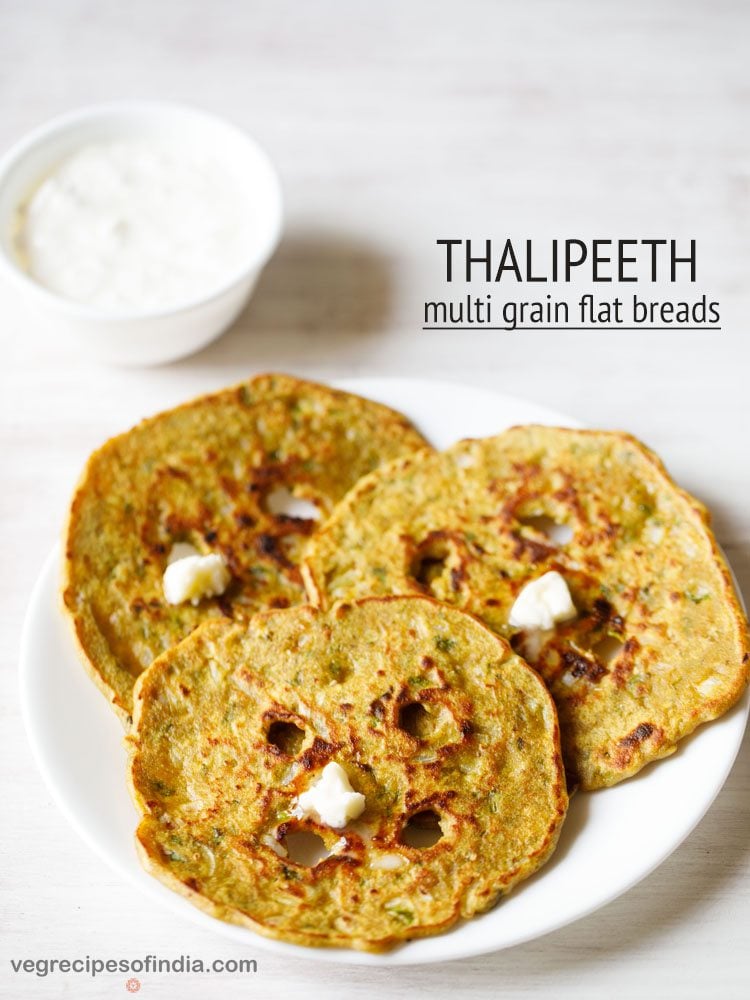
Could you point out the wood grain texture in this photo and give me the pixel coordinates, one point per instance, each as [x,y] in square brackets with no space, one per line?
[394,124]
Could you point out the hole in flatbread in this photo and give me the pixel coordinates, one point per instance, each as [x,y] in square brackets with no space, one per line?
[608,649]
[557,532]
[428,568]
[530,643]
[181,550]
[281,502]
[286,737]
[305,847]
[464,459]
[415,720]
[422,829]
[430,565]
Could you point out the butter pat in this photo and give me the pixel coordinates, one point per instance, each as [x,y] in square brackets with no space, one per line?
[542,603]
[192,578]
[330,800]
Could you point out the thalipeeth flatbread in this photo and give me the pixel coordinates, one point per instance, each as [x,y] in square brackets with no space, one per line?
[659,642]
[213,474]
[450,736]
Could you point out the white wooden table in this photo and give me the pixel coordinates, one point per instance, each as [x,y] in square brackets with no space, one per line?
[393,125]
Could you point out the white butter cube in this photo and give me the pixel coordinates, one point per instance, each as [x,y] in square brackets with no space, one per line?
[194,577]
[331,800]
[542,603]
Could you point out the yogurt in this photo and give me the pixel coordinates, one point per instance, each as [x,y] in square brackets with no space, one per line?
[135,226]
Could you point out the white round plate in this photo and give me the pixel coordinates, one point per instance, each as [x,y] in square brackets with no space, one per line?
[610,840]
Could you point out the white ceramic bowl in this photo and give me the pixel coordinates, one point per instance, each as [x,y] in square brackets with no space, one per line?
[148,337]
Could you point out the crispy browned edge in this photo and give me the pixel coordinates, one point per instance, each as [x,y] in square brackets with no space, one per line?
[230,914]
[698,513]
[87,636]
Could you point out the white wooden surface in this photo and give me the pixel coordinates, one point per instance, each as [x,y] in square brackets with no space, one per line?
[394,124]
